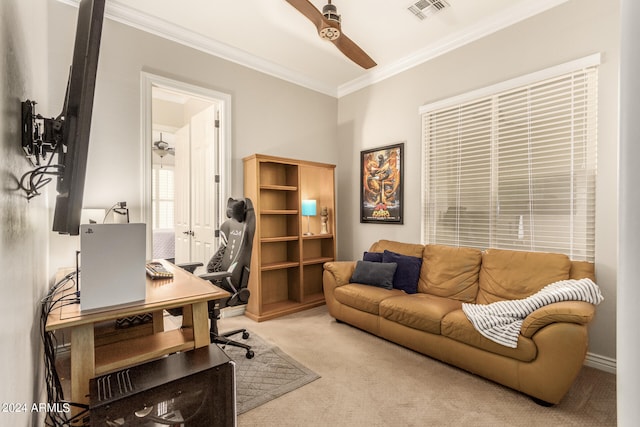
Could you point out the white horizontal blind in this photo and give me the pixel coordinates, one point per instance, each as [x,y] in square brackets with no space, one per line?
[515,169]
[163,197]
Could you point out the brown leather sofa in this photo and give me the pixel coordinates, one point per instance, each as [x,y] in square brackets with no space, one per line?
[553,341]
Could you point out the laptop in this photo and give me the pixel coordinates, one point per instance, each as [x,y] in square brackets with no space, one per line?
[112,265]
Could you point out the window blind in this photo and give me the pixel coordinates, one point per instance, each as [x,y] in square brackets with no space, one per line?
[515,169]
[163,197]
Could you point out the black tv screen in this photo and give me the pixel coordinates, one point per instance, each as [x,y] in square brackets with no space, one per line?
[77,110]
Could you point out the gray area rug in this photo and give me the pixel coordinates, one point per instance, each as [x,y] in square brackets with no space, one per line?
[270,374]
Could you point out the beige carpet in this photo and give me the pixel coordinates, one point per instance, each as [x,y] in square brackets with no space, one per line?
[366,381]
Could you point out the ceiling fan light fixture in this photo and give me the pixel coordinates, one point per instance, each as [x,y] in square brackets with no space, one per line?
[329,33]
[161,148]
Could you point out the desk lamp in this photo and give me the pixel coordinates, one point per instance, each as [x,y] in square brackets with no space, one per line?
[308,210]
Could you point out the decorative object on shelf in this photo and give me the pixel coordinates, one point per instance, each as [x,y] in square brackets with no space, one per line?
[324,219]
[381,174]
[308,210]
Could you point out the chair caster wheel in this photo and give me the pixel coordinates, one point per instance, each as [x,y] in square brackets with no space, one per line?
[245,335]
[250,354]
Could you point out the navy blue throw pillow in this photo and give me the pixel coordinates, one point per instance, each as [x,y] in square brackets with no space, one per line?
[374,273]
[372,256]
[407,273]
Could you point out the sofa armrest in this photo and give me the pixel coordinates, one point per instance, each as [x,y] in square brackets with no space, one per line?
[579,312]
[335,274]
[341,271]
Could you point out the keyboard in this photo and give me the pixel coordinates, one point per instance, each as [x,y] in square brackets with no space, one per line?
[156,270]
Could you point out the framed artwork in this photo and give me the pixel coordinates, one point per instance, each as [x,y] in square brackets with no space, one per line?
[381,181]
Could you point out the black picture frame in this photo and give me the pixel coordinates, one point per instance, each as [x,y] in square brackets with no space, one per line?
[381,185]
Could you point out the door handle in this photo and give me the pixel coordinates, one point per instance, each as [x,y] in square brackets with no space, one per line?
[189,233]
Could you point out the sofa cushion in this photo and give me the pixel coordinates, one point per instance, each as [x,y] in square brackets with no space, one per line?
[507,275]
[456,326]
[408,271]
[420,311]
[450,272]
[372,256]
[411,249]
[374,273]
[364,297]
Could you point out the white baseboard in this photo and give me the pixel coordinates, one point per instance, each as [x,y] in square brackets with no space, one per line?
[602,363]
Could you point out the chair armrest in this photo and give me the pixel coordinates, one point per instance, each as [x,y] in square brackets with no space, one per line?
[190,266]
[579,312]
[215,276]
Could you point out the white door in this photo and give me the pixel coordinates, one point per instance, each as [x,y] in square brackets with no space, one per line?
[203,184]
[196,189]
[182,198]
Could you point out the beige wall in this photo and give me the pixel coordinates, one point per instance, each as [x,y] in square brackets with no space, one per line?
[387,112]
[24,231]
[269,115]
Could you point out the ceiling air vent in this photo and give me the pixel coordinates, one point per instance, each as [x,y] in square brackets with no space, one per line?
[425,8]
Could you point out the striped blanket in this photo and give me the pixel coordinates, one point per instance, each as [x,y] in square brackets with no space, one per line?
[501,321]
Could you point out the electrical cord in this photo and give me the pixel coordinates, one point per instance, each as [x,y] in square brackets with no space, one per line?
[55,394]
[120,208]
[36,178]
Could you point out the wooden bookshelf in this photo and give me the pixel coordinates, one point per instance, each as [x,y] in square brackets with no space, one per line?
[286,264]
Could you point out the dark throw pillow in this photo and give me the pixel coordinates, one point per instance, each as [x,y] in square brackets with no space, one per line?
[374,273]
[407,273]
[372,256]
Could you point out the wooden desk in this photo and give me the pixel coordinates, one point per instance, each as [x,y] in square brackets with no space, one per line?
[87,361]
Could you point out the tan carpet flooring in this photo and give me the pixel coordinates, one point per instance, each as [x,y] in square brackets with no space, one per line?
[367,381]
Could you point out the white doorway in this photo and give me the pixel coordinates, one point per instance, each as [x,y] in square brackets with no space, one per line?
[186,147]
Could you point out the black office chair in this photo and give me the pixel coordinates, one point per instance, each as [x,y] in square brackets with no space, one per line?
[229,267]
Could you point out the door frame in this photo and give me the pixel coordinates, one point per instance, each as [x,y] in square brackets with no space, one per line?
[147,82]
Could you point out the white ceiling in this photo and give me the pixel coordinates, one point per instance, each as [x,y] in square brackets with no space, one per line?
[273,37]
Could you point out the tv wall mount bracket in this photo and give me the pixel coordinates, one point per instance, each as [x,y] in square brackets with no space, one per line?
[41,138]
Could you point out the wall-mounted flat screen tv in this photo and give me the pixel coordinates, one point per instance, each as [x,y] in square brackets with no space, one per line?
[77,110]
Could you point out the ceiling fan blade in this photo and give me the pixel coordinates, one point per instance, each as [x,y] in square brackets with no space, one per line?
[343,43]
[354,52]
[309,10]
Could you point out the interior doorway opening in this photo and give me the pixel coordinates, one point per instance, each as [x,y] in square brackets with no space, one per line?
[186,146]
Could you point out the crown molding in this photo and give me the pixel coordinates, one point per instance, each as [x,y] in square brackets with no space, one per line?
[481,29]
[167,30]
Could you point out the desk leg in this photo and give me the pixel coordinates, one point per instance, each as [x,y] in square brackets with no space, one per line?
[158,321]
[83,361]
[187,316]
[200,319]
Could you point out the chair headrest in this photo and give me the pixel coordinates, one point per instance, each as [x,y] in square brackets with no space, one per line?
[236,209]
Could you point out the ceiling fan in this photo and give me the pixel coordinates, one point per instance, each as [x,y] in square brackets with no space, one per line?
[162,148]
[328,24]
